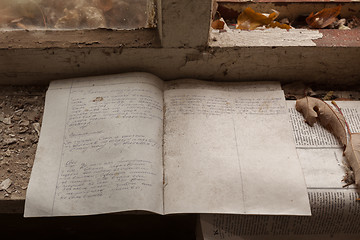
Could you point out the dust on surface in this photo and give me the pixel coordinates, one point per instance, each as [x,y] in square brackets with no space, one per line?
[21,110]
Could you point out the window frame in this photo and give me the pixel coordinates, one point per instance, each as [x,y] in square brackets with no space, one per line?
[177,48]
[160,33]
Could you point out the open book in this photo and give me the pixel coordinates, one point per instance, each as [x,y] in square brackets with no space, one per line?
[134,142]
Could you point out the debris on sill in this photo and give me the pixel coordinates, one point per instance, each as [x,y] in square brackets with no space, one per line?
[21,111]
[297,90]
[4,185]
[249,19]
[251,28]
[263,36]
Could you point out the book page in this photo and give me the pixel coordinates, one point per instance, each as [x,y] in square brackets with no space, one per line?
[320,153]
[230,152]
[335,215]
[100,147]
[335,209]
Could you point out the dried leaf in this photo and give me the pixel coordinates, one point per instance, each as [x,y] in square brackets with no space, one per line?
[217,24]
[250,20]
[275,24]
[314,109]
[323,18]
[352,153]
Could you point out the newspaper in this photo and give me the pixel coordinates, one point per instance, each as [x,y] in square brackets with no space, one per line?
[335,209]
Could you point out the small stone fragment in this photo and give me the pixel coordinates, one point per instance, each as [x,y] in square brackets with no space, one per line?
[343,27]
[24,123]
[23,130]
[37,128]
[8,153]
[5,120]
[19,112]
[9,141]
[341,24]
[341,21]
[34,139]
[4,185]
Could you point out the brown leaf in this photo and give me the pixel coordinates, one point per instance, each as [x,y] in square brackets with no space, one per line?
[314,109]
[250,20]
[217,24]
[323,18]
[275,24]
[352,153]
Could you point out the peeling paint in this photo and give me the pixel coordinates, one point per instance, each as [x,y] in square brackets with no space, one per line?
[263,38]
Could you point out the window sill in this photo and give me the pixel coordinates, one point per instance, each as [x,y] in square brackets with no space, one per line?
[97,38]
[292,10]
[39,57]
[285,38]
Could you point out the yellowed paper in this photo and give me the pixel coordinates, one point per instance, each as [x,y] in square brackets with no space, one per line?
[231,152]
[100,147]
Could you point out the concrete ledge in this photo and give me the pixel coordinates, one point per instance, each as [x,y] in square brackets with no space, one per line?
[46,39]
[11,206]
[325,65]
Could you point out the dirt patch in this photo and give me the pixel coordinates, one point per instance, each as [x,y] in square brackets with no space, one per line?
[21,110]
